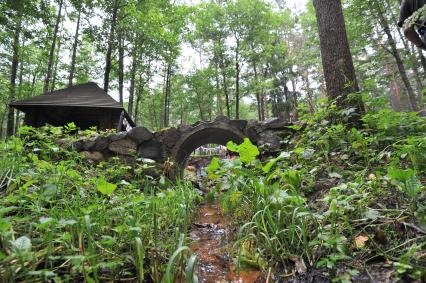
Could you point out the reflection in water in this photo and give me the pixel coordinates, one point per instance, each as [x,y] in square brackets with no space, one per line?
[209,241]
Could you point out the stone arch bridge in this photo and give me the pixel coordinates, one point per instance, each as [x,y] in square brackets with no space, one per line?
[173,146]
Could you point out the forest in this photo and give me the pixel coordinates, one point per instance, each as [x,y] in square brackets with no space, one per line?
[295,132]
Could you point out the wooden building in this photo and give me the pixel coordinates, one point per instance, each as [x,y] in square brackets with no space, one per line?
[86,105]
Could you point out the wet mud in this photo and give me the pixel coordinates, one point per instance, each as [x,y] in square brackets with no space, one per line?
[210,236]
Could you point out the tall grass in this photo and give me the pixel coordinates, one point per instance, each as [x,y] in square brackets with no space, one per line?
[76,232]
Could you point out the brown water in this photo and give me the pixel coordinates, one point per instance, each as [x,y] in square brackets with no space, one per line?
[209,241]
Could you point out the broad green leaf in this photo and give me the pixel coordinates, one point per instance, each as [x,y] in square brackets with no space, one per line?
[248,151]
[211,169]
[105,187]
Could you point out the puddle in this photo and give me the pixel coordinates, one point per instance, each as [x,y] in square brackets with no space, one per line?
[209,241]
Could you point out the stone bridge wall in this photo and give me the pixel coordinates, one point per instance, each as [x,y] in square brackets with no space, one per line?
[176,144]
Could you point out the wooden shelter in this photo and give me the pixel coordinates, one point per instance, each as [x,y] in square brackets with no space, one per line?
[86,105]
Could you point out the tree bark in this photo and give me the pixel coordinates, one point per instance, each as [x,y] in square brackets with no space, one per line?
[395,97]
[259,110]
[412,103]
[218,97]
[52,49]
[55,72]
[108,55]
[336,57]
[422,59]
[74,50]
[132,84]
[13,73]
[21,79]
[225,85]
[120,68]
[139,94]
[309,97]
[237,79]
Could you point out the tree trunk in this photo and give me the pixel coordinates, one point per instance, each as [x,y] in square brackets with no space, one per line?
[412,104]
[108,56]
[168,94]
[132,84]
[225,86]
[337,61]
[218,97]
[55,72]
[52,50]
[13,73]
[309,97]
[120,68]
[139,94]
[21,79]
[259,110]
[74,51]
[237,79]
[395,90]
[295,102]
[422,59]
[263,109]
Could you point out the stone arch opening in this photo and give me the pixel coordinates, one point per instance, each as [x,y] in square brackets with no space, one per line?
[199,137]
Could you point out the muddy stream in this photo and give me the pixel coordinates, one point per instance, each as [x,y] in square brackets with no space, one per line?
[209,241]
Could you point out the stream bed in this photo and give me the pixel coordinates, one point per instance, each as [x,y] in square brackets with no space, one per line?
[209,237]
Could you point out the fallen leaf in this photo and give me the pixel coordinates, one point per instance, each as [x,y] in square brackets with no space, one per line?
[335,175]
[360,241]
[299,264]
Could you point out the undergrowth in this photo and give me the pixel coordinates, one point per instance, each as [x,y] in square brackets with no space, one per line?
[63,219]
[335,205]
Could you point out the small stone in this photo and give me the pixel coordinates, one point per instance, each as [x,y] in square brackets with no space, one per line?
[94,156]
[151,149]
[140,134]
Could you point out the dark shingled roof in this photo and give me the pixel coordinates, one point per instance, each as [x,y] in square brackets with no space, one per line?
[82,95]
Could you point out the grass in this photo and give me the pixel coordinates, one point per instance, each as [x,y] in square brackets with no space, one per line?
[56,223]
[334,201]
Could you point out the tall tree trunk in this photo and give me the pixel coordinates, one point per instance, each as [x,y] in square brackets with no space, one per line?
[295,102]
[337,61]
[200,107]
[412,103]
[1,124]
[139,93]
[422,59]
[52,49]
[21,79]
[108,55]
[259,110]
[132,84]
[120,67]
[13,73]
[395,91]
[168,94]
[74,50]
[218,97]
[263,107]
[309,97]
[237,79]
[225,86]
[55,69]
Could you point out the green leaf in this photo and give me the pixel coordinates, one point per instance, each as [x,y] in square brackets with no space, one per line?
[247,151]
[4,225]
[400,174]
[232,146]
[105,187]
[211,169]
